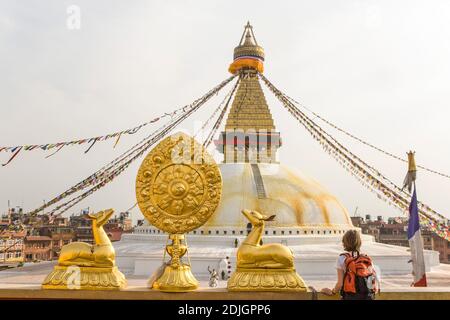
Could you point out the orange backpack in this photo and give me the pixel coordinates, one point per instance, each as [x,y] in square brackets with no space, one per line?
[359,277]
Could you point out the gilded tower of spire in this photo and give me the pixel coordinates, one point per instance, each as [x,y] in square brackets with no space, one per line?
[250,134]
[249,109]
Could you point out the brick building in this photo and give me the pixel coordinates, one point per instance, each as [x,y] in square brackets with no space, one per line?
[12,246]
[26,238]
[432,240]
[82,228]
[114,228]
[60,234]
[395,232]
[38,248]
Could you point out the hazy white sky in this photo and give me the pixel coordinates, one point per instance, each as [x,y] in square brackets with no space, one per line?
[380,69]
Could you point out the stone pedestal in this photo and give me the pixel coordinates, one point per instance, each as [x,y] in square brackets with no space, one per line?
[266,280]
[85,278]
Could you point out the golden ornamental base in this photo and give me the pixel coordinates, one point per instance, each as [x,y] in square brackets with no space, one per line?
[176,279]
[266,280]
[85,278]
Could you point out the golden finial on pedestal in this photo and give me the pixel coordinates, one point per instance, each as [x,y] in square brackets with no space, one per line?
[88,267]
[411,175]
[178,187]
[268,267]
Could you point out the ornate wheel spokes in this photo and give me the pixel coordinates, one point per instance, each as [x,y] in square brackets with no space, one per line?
[177,196]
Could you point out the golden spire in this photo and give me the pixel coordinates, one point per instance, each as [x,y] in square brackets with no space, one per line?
[249,110]
[249,129]
[248,39]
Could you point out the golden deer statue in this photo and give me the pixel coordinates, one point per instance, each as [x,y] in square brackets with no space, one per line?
[88,266]
[83,254]
[253,255]
[268,267]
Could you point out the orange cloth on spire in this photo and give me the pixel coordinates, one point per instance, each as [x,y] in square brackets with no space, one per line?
[246,62]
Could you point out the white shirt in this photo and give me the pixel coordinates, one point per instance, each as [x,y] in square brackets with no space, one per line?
[340,262]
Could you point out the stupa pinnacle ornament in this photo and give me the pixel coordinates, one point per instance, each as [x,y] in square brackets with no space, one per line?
[250,134]
[248,54]
[178,188]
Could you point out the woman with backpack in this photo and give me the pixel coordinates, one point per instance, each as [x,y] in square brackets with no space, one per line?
[356,276]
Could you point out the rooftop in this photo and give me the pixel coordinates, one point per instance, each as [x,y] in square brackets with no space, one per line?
[38,238]
[13,234]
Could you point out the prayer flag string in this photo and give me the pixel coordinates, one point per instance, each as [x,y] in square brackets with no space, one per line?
[13,156]
[375,181]
[49,146]
[113,169]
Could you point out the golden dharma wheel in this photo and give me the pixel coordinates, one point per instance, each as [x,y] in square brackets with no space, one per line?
[178,185]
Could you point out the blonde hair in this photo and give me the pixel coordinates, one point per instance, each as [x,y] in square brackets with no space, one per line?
[351,241]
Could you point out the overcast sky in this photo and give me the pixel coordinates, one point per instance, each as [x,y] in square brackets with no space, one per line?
[380,69]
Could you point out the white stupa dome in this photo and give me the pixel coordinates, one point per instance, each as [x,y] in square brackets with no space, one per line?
[297,201]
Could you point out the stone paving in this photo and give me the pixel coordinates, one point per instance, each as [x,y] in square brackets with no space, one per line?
[33,274]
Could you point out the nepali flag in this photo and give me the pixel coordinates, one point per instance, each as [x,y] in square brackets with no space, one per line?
[416,244]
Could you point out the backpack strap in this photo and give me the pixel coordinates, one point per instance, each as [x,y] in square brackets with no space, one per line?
[347,260]
[346,254]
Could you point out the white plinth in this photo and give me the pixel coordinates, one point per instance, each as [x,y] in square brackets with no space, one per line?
[315,255]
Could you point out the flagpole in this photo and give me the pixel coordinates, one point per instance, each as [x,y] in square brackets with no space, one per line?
[414,230]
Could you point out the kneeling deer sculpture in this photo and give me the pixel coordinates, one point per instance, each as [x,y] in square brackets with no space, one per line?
[87,266]
[268,256]
[100,254]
